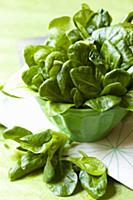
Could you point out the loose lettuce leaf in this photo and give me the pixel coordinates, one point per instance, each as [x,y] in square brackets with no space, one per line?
[35,143]
[65,181]
[57,140]
[91,165]
[94,185]
[53,166]
[16,133]
[26,164]
[50,169]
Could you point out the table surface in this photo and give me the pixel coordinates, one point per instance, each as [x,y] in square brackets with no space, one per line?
[28,19]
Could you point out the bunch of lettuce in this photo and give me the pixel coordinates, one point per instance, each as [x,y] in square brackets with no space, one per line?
[87,63]
[63,173]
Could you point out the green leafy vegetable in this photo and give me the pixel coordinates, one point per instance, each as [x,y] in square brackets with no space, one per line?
[128,18]
[100,19]
[37,80]
[64,80]
[115,88]
[41,54]
[94,185]
[78,97]
[117,75]
[55,55]
[66,181]
[49,170]
[48,150]
[27,164]
[29,52]
[78,52]
[57,65]
[91,165]
[111,55]
[87,63]
[58,38]
[49,90]
[83,78]
[103,103]
[16,133]
[84,61]
[29,74]
[36,143]
[81,19]
[60,24]
[74,35]
[127,101]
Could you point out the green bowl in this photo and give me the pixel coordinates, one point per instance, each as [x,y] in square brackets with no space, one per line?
[87,125]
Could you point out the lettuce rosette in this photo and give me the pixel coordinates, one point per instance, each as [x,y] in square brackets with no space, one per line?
[86,64]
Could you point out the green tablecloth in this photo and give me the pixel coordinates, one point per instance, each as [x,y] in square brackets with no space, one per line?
[27,19]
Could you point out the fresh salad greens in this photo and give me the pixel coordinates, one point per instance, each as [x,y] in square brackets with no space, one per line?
[62,173]
[85,62]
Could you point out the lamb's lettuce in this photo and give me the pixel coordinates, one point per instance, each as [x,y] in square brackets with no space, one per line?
[89,164]
[48,150]
[16,133]
[89,65]
[127,101]
[86,63]
[103,103]
[26,164]
[66,181]
[95,186]
[84,80]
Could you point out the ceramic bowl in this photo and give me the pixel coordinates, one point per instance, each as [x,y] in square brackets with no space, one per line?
[87,125]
